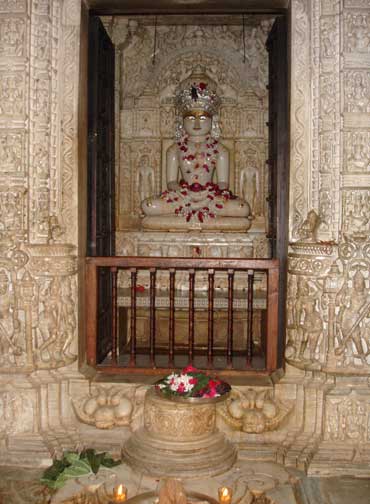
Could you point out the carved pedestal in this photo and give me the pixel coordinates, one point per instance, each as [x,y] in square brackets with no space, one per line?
[179,439]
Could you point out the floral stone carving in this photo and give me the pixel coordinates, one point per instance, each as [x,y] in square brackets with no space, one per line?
[253,412]
[179,439]
[104,408]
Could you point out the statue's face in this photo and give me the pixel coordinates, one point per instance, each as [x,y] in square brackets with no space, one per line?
[197,123]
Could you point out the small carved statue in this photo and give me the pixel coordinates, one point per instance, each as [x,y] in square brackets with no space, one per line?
[145,178]
[193,198]
[249,185]
[308,229]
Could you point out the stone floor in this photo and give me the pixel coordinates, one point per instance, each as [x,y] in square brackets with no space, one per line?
[252,482]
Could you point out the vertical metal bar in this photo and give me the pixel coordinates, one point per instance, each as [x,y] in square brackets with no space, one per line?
[91,312]
[211,293]
[133,318]
[191,316]
[230,319]
[171,328]
[272,318]
[152,317]
[249,353]
[113,271]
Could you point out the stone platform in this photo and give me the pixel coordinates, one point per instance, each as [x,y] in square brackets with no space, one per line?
[251,482]
[179,439]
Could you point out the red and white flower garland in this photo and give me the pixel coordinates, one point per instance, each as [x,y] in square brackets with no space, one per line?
[211,203]
[209,157]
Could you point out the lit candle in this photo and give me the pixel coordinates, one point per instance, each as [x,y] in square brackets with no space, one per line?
[119,493]
[224,495]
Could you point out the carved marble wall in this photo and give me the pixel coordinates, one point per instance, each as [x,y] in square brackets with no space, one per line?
[319,410]
[328,304]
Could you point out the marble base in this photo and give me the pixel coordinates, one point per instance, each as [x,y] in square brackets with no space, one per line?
[174,223]
[192,244]
[179,440]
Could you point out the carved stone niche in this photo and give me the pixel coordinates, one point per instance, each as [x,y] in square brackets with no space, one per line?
[146,120]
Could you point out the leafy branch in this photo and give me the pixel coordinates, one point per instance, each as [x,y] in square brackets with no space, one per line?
[73,465]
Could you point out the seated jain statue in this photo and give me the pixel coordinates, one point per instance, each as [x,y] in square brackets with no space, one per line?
[197,195]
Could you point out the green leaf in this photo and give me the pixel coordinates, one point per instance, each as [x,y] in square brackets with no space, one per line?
[52,472]
[93,458]
[54,484]
[78,468]
[109,462]
[71,457]
[73,465]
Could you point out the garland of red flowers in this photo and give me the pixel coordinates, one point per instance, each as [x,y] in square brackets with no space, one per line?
[208,156]
[214,197]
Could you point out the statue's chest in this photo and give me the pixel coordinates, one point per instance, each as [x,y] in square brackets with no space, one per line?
[198,157]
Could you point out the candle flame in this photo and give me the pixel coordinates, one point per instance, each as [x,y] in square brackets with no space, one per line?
[120,493]
[224,495]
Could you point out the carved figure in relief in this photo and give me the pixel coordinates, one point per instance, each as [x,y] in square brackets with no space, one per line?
[304,321]
[327,38]
[196,199]
[11,94]
[12,36]
[311,329]
[10,152]
[11,210]
[358,159]
[249,186]
[9,323]
[357,92]
[307,231]
[346,420]
[358,36]
[356,207]
[303,293]
[145,181]
[57,324]
[354,303]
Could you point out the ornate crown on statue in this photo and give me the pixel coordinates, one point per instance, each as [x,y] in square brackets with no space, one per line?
[197,92]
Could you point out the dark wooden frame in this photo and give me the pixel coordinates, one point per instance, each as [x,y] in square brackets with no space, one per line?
[271,266]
